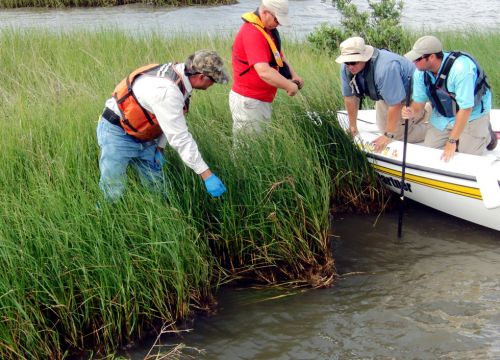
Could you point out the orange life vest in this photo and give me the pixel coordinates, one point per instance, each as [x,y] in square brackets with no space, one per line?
[135,120]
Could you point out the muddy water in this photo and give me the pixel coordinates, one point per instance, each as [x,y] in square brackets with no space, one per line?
[435,294]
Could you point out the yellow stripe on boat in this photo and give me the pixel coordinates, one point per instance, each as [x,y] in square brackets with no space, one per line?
[467,191]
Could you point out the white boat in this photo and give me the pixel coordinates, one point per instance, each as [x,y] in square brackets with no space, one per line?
[468,186]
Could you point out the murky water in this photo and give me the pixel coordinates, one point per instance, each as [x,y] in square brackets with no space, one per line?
[434,294]
[305,16]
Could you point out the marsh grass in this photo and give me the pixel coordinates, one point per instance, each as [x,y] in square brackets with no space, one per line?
[80,274]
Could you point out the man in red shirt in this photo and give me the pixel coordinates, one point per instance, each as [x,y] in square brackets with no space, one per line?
[259,67]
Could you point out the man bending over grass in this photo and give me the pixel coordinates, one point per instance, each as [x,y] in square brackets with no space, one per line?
[146,111]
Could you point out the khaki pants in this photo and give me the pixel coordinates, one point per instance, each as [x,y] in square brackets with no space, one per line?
[249,115]
[416,129]
[473,140]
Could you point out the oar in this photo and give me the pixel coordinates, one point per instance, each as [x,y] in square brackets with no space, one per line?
[403,165]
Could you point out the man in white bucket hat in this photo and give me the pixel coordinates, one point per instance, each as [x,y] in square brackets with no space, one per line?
[460,95]
[383,76]
[260,68]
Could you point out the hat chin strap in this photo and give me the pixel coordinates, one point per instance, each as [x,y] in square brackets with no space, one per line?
[354,85]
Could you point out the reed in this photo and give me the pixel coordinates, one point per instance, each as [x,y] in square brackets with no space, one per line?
[80,274]
[96,3]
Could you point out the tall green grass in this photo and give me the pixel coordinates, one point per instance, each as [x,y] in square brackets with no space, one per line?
[77,276]
[91,3]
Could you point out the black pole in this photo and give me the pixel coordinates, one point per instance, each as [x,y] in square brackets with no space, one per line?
[403,165]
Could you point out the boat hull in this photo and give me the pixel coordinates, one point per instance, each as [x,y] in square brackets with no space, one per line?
[451,187]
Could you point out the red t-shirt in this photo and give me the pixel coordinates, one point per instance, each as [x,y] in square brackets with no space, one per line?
[251,47]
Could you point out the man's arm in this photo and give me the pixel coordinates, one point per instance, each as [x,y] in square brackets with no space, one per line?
[274,78]
[461,119]
[295,77]
[167,102]
[393,115]
[352,105]
[205,174]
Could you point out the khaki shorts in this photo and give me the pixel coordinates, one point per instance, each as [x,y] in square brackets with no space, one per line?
[416,128]
[249,115]
[473,140]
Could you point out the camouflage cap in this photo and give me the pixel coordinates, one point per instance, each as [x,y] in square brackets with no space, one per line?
[209,63]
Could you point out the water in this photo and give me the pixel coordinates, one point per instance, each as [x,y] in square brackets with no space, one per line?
[306,15]
[433,295]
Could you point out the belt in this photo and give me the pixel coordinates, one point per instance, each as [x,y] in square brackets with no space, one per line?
[114,119]
[111,116]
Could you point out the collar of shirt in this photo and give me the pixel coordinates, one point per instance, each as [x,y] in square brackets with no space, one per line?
[187,84]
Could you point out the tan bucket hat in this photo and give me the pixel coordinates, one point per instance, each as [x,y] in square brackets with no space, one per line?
[354,49]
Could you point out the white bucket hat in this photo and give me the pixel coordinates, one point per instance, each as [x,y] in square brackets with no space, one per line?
[354,49]
[279,8]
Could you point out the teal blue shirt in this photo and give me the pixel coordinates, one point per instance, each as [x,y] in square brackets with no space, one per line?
[461,81]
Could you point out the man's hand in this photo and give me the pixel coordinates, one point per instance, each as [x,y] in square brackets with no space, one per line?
[298,80]
[292,89]
[214,186]
[381,143]
[407,113]
[353,130]
[449,151]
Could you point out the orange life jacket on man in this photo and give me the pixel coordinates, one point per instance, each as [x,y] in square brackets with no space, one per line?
[135,120]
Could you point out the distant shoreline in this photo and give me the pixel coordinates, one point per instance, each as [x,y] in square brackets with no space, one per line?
[15,4]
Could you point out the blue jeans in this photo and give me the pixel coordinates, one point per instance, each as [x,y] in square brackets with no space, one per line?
[118,150]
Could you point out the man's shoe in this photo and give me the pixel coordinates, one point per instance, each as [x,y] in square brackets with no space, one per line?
[494,141]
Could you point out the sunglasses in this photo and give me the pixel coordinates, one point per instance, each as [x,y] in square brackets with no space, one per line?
[421,58]
[351,63]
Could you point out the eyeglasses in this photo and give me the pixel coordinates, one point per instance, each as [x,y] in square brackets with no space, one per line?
[351,63]
[275,18]
[421,58]
[211,78]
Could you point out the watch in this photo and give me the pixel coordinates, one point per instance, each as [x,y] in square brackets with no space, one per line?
[389,134]
[452,141]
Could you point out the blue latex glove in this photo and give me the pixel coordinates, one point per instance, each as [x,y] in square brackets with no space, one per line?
[214,186]
[159,159]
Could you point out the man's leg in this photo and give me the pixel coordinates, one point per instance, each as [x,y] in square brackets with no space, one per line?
[150,173]
[116,152]
[249,115]
[494,140]
[476,136]
[416,128]
[435,138]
